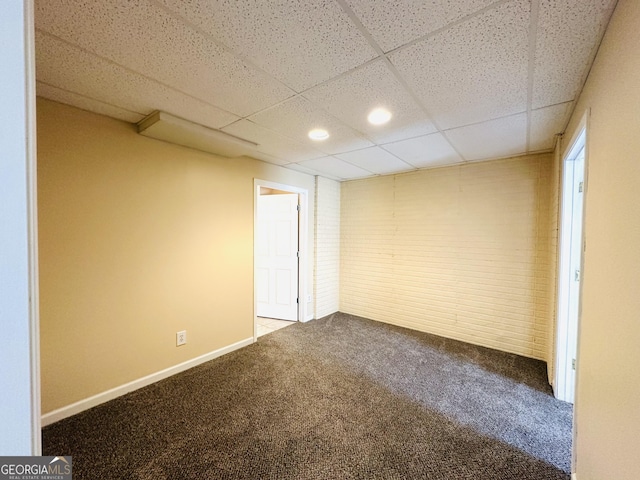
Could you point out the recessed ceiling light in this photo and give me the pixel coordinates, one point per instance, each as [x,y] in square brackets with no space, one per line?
[318,134]
[379,116]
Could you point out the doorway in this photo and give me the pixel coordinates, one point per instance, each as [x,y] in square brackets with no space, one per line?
[279,255]
[570,274]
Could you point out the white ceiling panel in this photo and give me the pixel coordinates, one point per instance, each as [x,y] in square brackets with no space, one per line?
[376,160]
[394,23]
[296,117]
[461,77]
[85,103]
[493,139]
[61,65]
[546,123]
[265,157]
[336,168]
[351,97]
[568,34]
[300,43]
[474,71]
[272,143]
[426,151]
[152,42]
[309,171]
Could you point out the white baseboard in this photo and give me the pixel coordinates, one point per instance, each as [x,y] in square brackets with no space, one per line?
[574,476]
[87,403]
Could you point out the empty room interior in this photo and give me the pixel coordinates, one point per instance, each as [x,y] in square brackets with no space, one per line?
[434,198]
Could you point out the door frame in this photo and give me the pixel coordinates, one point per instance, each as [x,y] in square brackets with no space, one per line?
[19,297]
[567,222]
[303,223]
[580,137]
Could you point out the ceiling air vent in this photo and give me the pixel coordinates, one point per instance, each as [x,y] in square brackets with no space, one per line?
[166,127]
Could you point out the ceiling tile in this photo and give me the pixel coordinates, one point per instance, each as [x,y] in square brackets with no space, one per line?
[146,39]
[351,97]
[336,168]
[272,143]
[568,34]
[86,103]
[546,123]
[265,157]
[310,171]
[376,160]
[300,43]
[61,65]
[493,139]
[395,23]
[426,151]
[271,71]
[295,117]
[474,71]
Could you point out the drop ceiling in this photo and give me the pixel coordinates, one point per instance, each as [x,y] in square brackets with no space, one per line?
[465,80]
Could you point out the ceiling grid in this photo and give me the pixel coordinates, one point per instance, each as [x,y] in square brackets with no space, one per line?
[464,80]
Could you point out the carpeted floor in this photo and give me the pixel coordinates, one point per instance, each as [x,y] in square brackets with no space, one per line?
[336,398]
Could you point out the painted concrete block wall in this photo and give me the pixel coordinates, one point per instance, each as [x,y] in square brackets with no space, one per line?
[607,408]
[554,229]
[327,247]
[461,252]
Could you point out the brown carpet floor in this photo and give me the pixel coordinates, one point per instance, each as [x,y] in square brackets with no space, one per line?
[337,398]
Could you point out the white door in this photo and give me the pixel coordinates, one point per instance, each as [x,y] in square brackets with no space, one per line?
[571,275]
[277,257]
[576,274]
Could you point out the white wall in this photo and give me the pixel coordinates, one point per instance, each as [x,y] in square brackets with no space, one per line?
[19,396]
[461,252]
[327,247]
[608,374]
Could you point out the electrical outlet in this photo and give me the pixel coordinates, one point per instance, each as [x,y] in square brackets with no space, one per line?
[181,338]
[308,297]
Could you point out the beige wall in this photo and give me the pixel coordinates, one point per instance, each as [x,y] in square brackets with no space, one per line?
[460,251]
[139,239]
[608,389]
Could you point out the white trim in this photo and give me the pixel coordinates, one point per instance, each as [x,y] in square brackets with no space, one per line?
[87,403]
[582,125]
[32,189]
[581,134]
[19,370]
[564,388]
[303,246]
[574,476]
[581,129]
